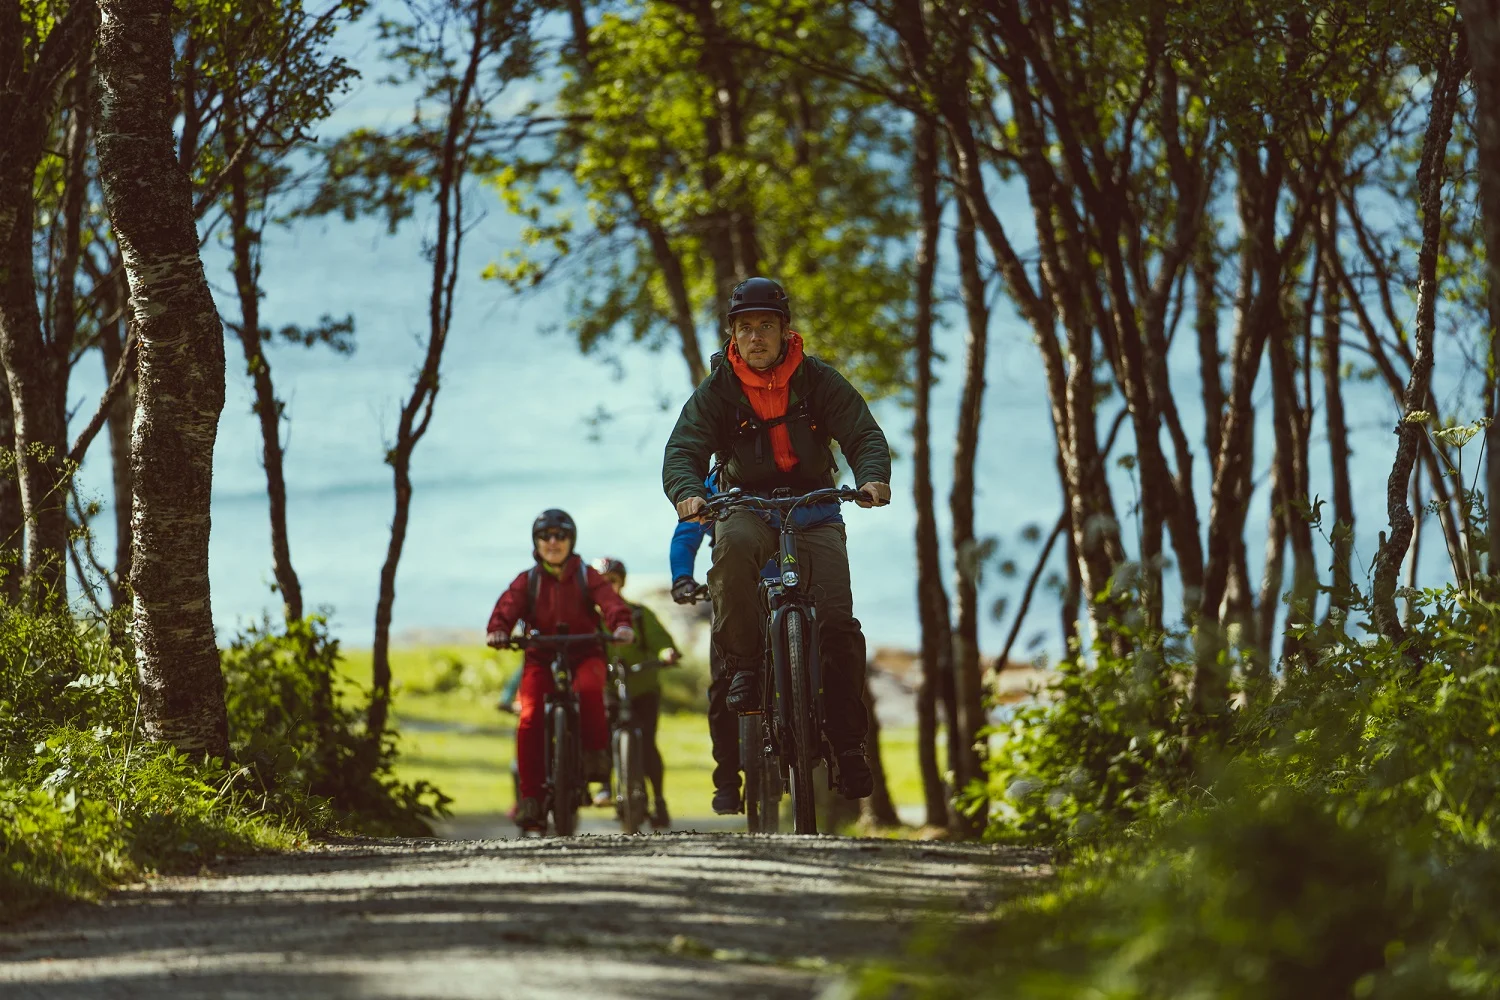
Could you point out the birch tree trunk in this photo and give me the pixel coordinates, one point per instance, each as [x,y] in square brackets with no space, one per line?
[180,391]
[1481,20]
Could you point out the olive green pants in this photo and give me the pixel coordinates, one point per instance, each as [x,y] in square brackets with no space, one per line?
[742,545]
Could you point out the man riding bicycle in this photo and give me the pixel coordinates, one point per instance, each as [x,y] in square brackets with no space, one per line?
[769,413]
[559,595]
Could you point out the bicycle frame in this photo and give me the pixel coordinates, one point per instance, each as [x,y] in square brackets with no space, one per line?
[777,597]
[563,697]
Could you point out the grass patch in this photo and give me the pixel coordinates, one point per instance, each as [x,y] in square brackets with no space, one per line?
[453,735]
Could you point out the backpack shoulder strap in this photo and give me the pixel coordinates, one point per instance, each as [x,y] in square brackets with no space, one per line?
[533,587]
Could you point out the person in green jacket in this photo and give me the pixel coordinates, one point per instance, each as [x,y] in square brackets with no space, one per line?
[770,413]
[652,649]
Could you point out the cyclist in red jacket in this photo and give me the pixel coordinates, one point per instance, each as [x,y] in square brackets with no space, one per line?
[560,594]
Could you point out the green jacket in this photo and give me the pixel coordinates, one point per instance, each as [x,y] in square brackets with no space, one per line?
[718,420]
[651,637]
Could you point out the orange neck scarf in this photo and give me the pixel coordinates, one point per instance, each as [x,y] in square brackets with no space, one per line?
[769,393]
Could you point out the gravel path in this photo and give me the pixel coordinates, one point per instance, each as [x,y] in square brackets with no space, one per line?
[676,916]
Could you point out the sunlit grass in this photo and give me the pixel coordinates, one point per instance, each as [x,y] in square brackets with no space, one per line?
[453,735]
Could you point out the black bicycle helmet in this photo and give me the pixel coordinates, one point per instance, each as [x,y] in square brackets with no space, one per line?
[609,564]
[554,518]
[759,293]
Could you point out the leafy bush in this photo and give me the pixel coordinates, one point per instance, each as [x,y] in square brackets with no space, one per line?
[1339,842]
[1092,754]
[292,723]
[84,803]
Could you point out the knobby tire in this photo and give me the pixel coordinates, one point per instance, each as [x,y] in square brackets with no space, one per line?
[761,805]
[565,775]
[630,779]
[804,728]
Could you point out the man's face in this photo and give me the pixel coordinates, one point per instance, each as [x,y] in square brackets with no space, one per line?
[758,335]
[616,581]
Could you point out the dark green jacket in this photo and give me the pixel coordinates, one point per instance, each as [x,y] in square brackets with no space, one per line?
[651,637]
[718,420]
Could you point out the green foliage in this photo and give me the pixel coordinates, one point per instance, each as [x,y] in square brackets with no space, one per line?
[814,177]
[1341,842]
[86,802]
[1085,761]
[303,740]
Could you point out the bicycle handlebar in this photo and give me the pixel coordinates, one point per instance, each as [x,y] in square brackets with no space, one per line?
[535,638]
[721,504]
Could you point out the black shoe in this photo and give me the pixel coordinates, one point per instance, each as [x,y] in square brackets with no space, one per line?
[726,801]
[744,692]
[660,820]
[856,781]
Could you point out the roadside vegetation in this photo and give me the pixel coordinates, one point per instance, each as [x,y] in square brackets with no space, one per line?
[1336,839]
[86,802]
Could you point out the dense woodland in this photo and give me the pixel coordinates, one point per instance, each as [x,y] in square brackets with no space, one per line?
[1299,196]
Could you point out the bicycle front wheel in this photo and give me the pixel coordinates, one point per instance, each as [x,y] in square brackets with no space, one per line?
[565,774]
[760,806]
[804,728]
[630,780]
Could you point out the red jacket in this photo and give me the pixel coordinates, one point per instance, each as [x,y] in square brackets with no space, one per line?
[560,602]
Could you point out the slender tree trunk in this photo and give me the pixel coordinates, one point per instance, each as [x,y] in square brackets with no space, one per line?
[967,674]
[416,413]
[181,380]
[1290,491]
[1206,324]
[1481,21]
[1072,597]
[1268,605]
[682,306]
[1414,556]
[877,811]
[245,247]
[718,64]
[12,515]
[27,103]
[719,223]
[1333,405]
[932,599]
[1260,314]
[1430,176]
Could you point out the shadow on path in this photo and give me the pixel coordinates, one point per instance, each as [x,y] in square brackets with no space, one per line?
[665,916]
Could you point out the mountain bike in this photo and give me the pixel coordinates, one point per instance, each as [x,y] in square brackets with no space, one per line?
[627,744]
[791,731]
[566,789]
[762,796]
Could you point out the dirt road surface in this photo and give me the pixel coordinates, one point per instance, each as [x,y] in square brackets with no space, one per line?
[676,916]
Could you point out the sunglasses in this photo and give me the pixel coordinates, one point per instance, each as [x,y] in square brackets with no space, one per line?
[552,536]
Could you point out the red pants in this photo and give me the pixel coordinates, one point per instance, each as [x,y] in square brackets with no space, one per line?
[531,731]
